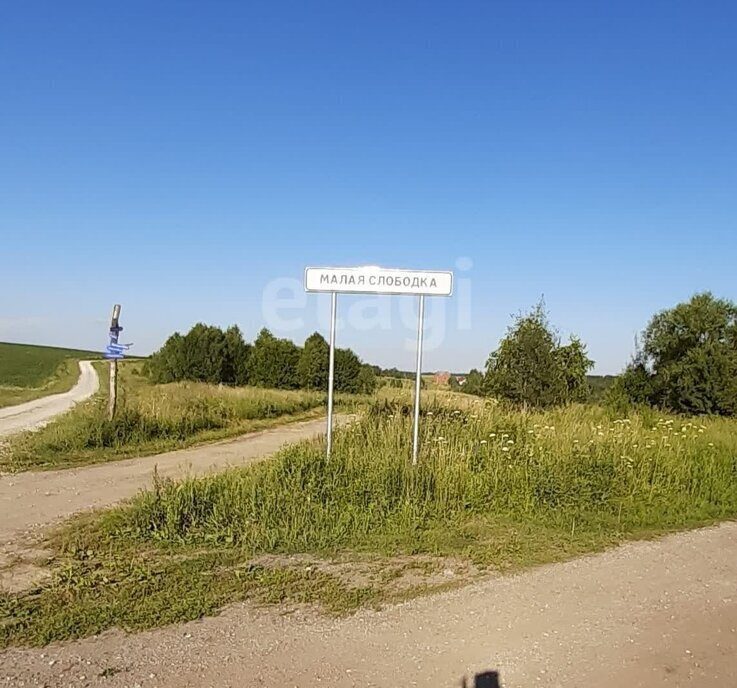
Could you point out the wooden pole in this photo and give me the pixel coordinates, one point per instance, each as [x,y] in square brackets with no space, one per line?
[113,395]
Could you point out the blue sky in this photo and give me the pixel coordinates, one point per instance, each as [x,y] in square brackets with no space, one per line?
[179,157]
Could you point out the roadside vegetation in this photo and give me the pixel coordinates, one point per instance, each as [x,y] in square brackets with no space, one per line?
[495,490]
[155,418]
[686,361]
[28,372]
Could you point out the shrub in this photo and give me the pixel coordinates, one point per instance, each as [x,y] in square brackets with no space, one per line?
[688,360]
[273,362]
[531,367]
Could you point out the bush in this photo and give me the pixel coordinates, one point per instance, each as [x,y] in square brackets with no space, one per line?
[688,360]
[474,383]
[531,367]
[273,362]
[312,367]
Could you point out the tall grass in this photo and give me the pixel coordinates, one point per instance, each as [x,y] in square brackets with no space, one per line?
[502,488]
[155,417]
[573,468]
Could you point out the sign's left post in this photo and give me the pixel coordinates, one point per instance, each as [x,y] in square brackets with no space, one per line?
[331,371]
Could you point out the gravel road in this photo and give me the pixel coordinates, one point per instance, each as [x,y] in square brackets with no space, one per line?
[34,414]
[645,615]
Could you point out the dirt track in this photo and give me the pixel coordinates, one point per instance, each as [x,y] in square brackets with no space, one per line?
[657,614]
[36,413]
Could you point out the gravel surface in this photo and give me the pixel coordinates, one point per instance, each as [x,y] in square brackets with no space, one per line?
[648,614]
[35,414]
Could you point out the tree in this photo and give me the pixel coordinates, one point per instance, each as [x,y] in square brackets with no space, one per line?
[167,364]
[574,365]
[237,352]
[688,359]
[198,355]
[312,368]
[209,354]
[204,353]
[367,379]
[273,362]
[474,383]
[530,367]
[347,371]
[524,367]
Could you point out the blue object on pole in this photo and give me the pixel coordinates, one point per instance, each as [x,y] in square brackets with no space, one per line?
[115,351]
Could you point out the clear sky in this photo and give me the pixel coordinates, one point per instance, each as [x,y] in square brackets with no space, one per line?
[179,157]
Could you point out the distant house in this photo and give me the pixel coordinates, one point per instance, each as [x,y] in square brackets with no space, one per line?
[441,378]
[461,380]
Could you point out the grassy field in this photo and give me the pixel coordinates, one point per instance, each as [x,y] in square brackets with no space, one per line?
[155,418]
[28,372]
[495,490]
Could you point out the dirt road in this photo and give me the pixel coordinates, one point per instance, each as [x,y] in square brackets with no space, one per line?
[33,499]
[36,413]
[646,615]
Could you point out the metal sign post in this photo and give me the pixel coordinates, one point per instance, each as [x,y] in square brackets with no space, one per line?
[418,381]
[331,370]
[375,280]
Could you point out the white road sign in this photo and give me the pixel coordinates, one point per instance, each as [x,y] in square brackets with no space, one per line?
[375,280]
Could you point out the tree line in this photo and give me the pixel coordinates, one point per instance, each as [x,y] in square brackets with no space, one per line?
[210,354]
[685,362]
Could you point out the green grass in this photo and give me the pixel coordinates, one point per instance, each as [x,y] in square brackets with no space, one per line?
[562,467]
[500,489]
[152,419]
[155,418]
[28,372]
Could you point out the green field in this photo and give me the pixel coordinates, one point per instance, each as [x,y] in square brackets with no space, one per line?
[496,489]
[28,371]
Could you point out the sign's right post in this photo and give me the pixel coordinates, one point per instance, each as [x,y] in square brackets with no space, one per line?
[418,381]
